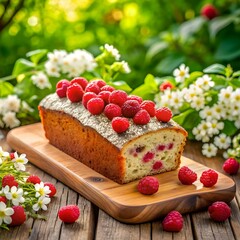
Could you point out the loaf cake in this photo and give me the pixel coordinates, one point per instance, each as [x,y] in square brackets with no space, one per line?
[139,151]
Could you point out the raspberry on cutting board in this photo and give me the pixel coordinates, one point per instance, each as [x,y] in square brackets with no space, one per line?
[186,176]
[148,185]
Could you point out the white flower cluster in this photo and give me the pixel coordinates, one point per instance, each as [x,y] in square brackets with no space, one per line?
[196,97]
[72,64]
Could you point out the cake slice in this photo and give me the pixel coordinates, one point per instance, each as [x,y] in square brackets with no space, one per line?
[140,151]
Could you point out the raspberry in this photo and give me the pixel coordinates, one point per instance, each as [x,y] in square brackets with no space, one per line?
[148,157]
[149,106]
[92,87]
[107,88]
[95,106]
[33,179]
[231,166]
[142,117]
[19,216]
[87,96]
[69,213]
[219,211]
[173,222]
[148,185]
[81,81]
[118,97]
[209,178]
[209,11]
[9,180]
[3,199]
[130,108]
[62,86]
[75,93]
[157,165]
[11,155]
[120,124]
[99,82]
[186,175]
[104,95]
[165,85]
[163,114]
[52,188]
[112,110]
[134,97]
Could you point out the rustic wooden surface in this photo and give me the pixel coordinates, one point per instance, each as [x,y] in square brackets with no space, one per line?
[122,202]
[96,224]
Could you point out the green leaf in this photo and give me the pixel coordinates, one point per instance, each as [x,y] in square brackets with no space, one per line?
[215,68]
[21,66]
[235,83]
[182,116]
[121,85]
[220,82]
[156,49]
[229,128]
[236,74]
[37,55]
[6,89]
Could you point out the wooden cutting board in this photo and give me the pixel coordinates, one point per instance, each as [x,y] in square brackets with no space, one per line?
[123,202]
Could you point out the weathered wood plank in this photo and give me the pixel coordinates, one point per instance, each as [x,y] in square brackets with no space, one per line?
[108,228]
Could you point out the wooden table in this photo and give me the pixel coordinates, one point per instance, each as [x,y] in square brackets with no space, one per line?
[96,224]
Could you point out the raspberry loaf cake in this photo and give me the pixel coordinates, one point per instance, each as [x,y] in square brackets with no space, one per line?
[141,149]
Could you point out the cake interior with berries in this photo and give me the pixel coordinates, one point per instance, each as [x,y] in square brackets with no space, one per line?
[120,136]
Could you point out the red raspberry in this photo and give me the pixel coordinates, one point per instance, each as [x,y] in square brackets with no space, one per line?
[231,166]
[209,178]
[120,124]
[118,97]
[130,108]
[165,85]
[92,87]
[33,179]
[9,180]
[87,96]
[52,188]
[81,81]
[95,106]
[69,213]
[75,92]
[142,117]
[173,222]
[148,157]
[186,175]
[148,185]
[3,199]
[99,82]
[62,87]
[112,110]
[134,97]
[219,211]
[209,11]
[149,106]
[163,114]
[107,88]
[19,216]
[11,155]
[104,95]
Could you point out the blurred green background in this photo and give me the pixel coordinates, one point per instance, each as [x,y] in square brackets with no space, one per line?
[153,36]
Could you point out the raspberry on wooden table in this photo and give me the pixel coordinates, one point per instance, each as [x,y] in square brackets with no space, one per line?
[33,179]
[149,106]
[19,216]
[83,82]
[173,222]
[69,213]
[118,97]
[130,108]
[148,185]
[52,188]
[231,166]
[209,178]
[142,117]
[75,92]
[95,106]
[219,211]
[112,110]
[9,180]
[120,124]
[186,176]
[163,114]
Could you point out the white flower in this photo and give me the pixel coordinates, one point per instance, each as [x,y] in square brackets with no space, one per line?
[41,203]
[224,95]
[41,80]
[209,150]
[20,161]
[112,51]
[235,98]
[41,190]
[204,127]
[10,120]
[205,82]
[5,214]
[237,123]
[222,141]
[15,194]
[192,92]
[181,73]
[12,103]
[176,100]
[218,111]
[215,127]
[57,56]
[125,67]
[198,102]
[207,113]
[52,69]
[3,155]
